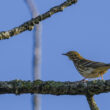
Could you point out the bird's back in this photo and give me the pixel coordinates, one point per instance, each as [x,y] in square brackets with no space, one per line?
[90,69]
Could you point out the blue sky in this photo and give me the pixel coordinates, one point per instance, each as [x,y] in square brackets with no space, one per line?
[83,27]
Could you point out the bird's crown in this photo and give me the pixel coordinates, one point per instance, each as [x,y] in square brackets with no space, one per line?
[73,55]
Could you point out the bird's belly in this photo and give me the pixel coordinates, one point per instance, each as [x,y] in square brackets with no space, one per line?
[88,73]
[91,73]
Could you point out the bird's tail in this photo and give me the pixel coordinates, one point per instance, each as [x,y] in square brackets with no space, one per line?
[108,65]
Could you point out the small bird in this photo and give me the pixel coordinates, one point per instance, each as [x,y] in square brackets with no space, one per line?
[87,68]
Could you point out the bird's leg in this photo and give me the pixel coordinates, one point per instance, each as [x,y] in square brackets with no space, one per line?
[102,76]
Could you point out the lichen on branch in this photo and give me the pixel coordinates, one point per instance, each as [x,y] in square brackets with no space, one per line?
[55,88]
[29,25]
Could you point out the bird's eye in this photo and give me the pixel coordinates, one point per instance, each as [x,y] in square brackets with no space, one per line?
[75,55]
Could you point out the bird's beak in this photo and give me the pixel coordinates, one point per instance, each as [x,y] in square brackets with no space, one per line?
[64,54]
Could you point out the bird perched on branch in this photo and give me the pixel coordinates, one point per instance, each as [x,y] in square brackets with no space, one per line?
[87,68]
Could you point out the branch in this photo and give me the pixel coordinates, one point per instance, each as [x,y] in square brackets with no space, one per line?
[36,100]
[29,25]
[91,102]
[55,88]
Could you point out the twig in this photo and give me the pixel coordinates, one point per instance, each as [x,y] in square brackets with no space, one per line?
[91,102]
[29,25]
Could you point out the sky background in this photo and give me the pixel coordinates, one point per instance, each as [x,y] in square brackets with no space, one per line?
[83,27]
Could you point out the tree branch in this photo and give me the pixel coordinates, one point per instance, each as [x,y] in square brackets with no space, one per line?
[55,88]
[36,100]
[29,25]
[91,102]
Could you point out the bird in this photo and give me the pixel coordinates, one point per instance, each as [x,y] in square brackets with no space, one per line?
[87,68]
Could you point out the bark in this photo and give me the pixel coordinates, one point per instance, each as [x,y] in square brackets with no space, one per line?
[91,102]
[29,25]
[55,88]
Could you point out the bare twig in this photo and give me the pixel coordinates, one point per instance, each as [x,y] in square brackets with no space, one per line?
[91,102]
[30,24]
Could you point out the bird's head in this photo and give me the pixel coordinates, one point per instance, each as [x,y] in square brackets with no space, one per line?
[72,55]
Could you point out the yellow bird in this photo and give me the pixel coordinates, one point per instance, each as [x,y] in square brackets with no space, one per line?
[87,68]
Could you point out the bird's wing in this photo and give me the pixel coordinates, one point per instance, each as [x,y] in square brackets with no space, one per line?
[93,64]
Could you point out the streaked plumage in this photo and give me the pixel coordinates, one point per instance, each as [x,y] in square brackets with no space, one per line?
[87,68]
